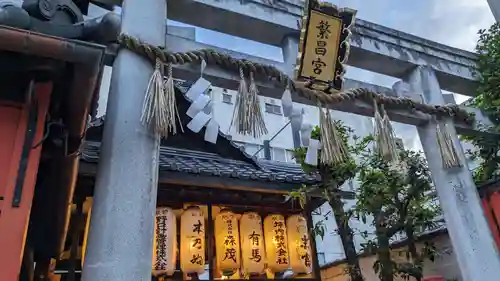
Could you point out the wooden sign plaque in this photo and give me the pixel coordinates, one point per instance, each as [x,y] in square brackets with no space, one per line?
[324,45]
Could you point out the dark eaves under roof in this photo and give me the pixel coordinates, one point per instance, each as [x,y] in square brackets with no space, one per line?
[210,164]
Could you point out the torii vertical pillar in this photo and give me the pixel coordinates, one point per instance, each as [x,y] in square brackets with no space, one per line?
[495,8]
[290,50]
[471,238]
[121,228]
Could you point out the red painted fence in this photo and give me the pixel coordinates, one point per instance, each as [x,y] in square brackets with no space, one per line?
[14,213]
[491,207]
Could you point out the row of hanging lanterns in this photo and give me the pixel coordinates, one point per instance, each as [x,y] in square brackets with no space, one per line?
[241,243]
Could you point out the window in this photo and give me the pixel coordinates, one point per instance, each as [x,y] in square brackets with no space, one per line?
[278,154]
[273,109]
[251,149]
[321,258]
[350,184]
[282,155]
[290,156]
[227,98]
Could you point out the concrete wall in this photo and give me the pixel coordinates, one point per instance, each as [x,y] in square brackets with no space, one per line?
[445,265]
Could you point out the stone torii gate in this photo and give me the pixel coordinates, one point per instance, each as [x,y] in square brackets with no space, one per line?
[120,243]
[495,8]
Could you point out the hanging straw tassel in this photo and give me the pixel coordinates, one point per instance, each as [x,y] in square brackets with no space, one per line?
[154,109]
[449,155]
[255,120]
[171,110]
[333,150]
[240,114]
[391,137]
[384,136]
[247,112]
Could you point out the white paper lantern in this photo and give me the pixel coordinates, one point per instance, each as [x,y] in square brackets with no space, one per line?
[227,242]
[253,253]
[192,246]
[165,242]
[276,243]
[299,244]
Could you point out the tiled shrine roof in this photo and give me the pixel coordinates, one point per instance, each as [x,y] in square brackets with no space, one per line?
[211,164]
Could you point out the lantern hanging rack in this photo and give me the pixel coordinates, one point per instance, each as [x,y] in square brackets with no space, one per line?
[286,210]
[266,202]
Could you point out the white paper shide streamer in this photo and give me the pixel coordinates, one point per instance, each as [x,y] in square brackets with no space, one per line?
[296,116]
[286,102]
[201,109]
[195,111]
[165,242]
[212,130]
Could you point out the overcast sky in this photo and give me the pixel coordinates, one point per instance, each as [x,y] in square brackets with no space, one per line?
[451,22]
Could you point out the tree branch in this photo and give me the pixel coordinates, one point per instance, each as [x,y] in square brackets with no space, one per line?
[403,209]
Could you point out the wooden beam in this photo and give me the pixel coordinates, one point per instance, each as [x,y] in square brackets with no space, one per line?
[187,179]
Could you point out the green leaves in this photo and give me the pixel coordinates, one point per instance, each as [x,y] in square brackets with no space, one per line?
[488,100]
[300,195]
[333,177]
[399,203]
